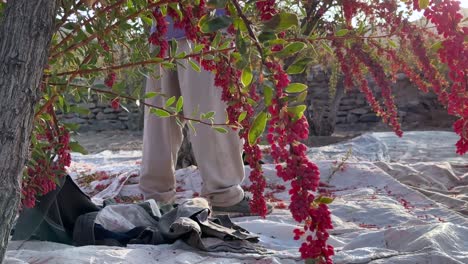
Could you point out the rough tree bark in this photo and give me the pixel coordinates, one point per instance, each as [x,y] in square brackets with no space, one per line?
[321,109]
[25,34]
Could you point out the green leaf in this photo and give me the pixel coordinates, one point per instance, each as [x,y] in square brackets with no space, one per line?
[258,126]
[291,49]
[198,48]
[181,55]
[268,95]
[242,116]
[295,88]
[310,261]
[246,77]
[147,20]
[220,130]
[208,115]
[216,3]
[251,101]
[324,200]
[71,126]
[180,104]
[168,65]
[170,101]
[436,46]
[76,147]
[266,36]
[194,66]
[241,44]
[79,110]
[150,95]
[392,43]
[216,40]
[302,97]
[282,21]
[239,24]
[160,112]
[298,66]
[423,4]
[173,49]
[297,111]
[70,25]
[341,32]
[209,24]
[327,48]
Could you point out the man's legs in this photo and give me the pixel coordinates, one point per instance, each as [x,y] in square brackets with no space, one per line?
[219,156]
[162,138]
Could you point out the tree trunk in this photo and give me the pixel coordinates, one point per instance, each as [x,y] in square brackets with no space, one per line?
[322,110]
[25,34]
[322,107]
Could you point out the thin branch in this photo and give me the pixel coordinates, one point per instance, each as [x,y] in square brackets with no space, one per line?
[46,105]
[89,20]
[248,24]
[343,37]
[67,14]
[109,29]
[140,63]
[144,103]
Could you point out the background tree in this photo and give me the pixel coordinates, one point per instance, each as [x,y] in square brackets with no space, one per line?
[251,50]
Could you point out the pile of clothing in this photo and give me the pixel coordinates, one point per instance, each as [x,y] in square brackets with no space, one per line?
[68,216]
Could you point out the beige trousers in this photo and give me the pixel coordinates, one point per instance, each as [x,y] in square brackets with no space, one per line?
[219,156]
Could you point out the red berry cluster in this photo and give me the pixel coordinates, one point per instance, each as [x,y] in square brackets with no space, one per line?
[446,16]
[377,71]
[115,103]
[157,38]
[110,79]
[286,130]
[42,171]
[285,135]
[103,44]
[266,8]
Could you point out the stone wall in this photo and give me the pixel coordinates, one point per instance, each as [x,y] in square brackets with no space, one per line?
[346,111]
[103,117]
[349,110]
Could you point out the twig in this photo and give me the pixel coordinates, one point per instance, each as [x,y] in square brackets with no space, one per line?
[67,14]
[140,63]
[340,165]
[108,29]
[342,37]
[248,24]
[144,103]
[46,105]
[86,23]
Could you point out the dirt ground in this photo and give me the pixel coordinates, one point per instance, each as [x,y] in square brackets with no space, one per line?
[116,140]
[95,142]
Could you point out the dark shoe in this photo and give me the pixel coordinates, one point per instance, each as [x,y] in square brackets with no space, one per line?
[240,209]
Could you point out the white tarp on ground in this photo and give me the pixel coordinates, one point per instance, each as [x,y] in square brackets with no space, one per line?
[397,201]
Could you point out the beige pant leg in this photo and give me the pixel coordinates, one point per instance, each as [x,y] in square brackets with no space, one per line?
[219,156]
[162,138]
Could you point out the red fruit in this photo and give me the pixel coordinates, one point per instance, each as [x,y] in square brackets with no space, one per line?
[115,103]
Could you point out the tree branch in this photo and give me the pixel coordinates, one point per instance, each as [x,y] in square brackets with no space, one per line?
[109,29]
[146,104]
[248,24]
[140,63]
[67,14]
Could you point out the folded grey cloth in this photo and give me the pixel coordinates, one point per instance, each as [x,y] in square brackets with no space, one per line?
[189,221]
